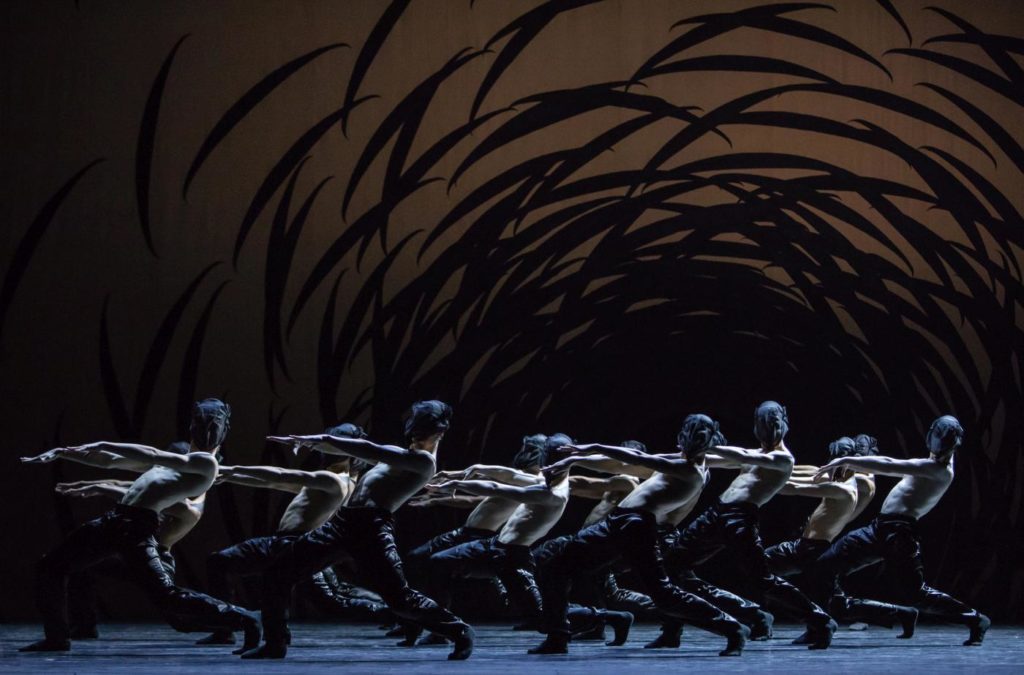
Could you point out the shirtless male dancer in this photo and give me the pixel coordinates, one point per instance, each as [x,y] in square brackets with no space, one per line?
[843,498]
[488,516]
[732,523]
[176,521]
[541,502]
[363,530]
[128,530]
[630,532]
[318,494]
[746,612]
[893,536]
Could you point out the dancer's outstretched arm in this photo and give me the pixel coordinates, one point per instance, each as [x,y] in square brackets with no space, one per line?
[454,501]
[590,487]
[531,494]
[100,459]
[287,480]
[819,490]
[361,448]
[776,459]
[187,509]
[887,466]
[502,474]
[672,465]
[138,457]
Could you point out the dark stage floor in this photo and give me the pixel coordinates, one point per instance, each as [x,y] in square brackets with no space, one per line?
[134,648]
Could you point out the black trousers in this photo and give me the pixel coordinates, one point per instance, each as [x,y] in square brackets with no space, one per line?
[800,556]
[894,540]
[682,575]
[340,600]
[82,604]
[417,561]
[485,559]
[250,557]
[366,535]
[735,528]
[598,589]
[125,532]
[632,535]
[794,557]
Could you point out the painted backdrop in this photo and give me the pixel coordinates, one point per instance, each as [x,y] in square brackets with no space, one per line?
[590,216]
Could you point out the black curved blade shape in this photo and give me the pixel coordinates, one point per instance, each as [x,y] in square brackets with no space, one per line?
[30,240]
[111,384]
[146,143]
[159,347]
[892,11]
[189,379]
[280,172]
[244,105]
[373,43]
[526,28]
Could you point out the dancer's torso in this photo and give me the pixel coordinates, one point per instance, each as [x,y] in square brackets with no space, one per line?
[160,487]
[387,487]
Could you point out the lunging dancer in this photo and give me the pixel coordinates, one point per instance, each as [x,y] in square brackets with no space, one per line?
[843,498]
[732,523]
[128,532]
[489,514]
[318,494]
[746,612]
[630,532]
[507,556]
[893,536]
[176,521]
[364,531]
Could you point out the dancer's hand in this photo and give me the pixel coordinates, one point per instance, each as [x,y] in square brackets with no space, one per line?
[446,487]
[47,457]
[298,442]
[823,473]
[580,449]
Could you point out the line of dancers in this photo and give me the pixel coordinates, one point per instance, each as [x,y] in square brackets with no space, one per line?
[336,537]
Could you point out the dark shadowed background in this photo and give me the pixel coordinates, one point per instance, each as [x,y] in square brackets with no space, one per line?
[589,216]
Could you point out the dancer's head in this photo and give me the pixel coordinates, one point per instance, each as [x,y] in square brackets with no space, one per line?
[770,424]
[697,435]
[866,446]
[342,463]
[531,457]
[635,445]
[944,436]
[551,446]
[211,419]
[178,448]
[427,421]
[346,430]
[844,446]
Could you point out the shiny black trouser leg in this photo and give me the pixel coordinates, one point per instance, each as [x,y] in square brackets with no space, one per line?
[330,597]
[632,535]
[246,558]
[367,536]
[893,540]
[485,559]
[734,527]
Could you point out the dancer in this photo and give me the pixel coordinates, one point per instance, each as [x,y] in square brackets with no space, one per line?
[318,494]
[489,513]
[128,531]
[364,530]
[507,555]
[732,523]
[843,498]
[176,521]
[893,537]
[488,516]
[630,532]
[746,612]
